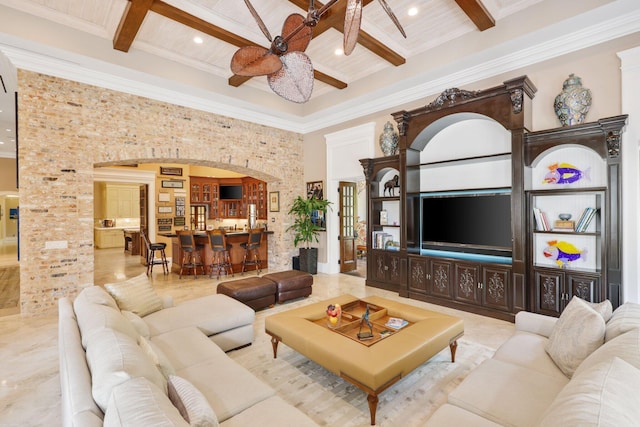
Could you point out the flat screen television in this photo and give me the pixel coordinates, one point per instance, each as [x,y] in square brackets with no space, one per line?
[230,192]
[471,222]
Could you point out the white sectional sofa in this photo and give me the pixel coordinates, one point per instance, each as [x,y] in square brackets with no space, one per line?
[582,369]
[136,360]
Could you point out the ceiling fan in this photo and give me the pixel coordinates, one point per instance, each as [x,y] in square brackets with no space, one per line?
[288,69]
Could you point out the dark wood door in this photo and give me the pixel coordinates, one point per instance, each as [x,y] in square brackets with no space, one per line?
[347,214]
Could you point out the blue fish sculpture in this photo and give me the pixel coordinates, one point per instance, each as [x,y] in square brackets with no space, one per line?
[565,173]
[563,253]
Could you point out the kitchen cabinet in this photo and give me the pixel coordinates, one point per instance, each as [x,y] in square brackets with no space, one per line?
[206,191]
[109,238]
[117,201]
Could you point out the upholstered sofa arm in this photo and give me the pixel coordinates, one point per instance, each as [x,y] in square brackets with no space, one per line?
[535,323]
[167,301]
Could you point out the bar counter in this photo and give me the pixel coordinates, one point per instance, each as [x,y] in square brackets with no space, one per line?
[235,238]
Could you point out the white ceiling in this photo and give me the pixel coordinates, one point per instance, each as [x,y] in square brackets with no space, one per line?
[73,39]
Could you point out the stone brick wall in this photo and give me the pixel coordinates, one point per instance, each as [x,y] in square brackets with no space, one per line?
[65,128]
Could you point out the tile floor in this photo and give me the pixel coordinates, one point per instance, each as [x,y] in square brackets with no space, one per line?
[29,379]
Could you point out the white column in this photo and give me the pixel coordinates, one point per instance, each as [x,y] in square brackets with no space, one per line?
[630,95]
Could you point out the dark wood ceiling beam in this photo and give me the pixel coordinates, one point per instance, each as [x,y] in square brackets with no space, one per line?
[132,18]
[476,11]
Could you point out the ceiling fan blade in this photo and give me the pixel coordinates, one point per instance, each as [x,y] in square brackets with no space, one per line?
[263,27]
[393,17]
[301,39]
[253,61]
[294,81]
[352,18]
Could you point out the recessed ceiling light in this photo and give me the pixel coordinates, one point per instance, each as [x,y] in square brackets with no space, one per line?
[198,40]
[8,130]
[1,142]
[413,11]
[339,52]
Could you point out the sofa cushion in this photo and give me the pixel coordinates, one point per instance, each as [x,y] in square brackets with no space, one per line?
[96,295]
[191,404]
[187,347]
[95,317]
[211,314]
[136,295]
[625,346]
[449,415]
[228,387]
[273,411]
[137,323]
[604,308]
[113,358]
[625,318]
[578,332]
[507,394]
[138,402]
[605,395]
[157,356]
[527,349]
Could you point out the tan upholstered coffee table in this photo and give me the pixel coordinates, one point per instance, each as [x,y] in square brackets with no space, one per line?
[372,367]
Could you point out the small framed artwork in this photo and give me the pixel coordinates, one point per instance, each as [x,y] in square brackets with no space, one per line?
[164,197]
[274,201]
[315,189]
[172,184]
[165,209]
[170,171]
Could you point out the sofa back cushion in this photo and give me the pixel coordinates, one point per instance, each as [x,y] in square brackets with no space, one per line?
[577,333]
[95,295]
[625,318]
[625,346]
[139,402]
[135,295]
[605,395]
[95,317]
[113,358]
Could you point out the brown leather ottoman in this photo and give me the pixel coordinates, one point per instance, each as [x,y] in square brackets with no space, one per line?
[256,292]
[291,284]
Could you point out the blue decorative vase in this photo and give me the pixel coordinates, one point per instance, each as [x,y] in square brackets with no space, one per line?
[573,103]
[389,140]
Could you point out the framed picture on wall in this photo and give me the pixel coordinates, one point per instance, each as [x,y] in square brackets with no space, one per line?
[315,189]
[274,201]
[164,170]
[172,184]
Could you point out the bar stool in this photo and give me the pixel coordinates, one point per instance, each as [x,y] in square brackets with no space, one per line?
[252,247]
[151,255]
[191,253]
[221,252]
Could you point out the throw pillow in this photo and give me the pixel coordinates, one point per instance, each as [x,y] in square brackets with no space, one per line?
[138,402]
[95,295]
[606,395]
[604,308]
[191,403]
[135,295]
[157,357]
[576,334]
[625,318]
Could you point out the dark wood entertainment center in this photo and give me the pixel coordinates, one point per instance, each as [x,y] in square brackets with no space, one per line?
[525,276]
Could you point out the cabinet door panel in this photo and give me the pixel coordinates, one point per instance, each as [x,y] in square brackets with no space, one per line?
[394,268]
[379,266]
[549,288]
[440,275]
[584,286]
[418,274]
[466,282]
[495,287]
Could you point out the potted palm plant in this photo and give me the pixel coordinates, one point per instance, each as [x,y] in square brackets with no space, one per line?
[306,229]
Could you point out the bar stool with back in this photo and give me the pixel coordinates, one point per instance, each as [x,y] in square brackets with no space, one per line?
[151,249]
[251,250]
[191,253]
[221,253]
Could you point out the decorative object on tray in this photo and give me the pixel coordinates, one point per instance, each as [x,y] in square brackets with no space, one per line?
[391,185]
[366,335]
[572,104]
[563,224]
[389,140]
[563,253]
[565,173]
[334,315]
[396,323]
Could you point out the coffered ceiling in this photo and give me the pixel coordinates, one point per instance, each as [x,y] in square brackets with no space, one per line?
[147,47]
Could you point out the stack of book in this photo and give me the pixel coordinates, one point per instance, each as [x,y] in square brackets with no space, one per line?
[396,323]
[585,219]
[380,239]
[542,224]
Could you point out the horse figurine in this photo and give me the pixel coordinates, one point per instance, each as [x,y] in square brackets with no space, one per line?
[391,185]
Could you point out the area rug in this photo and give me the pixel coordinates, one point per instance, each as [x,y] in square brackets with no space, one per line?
[331,401]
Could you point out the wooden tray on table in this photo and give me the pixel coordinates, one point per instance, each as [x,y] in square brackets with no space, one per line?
[350,322]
